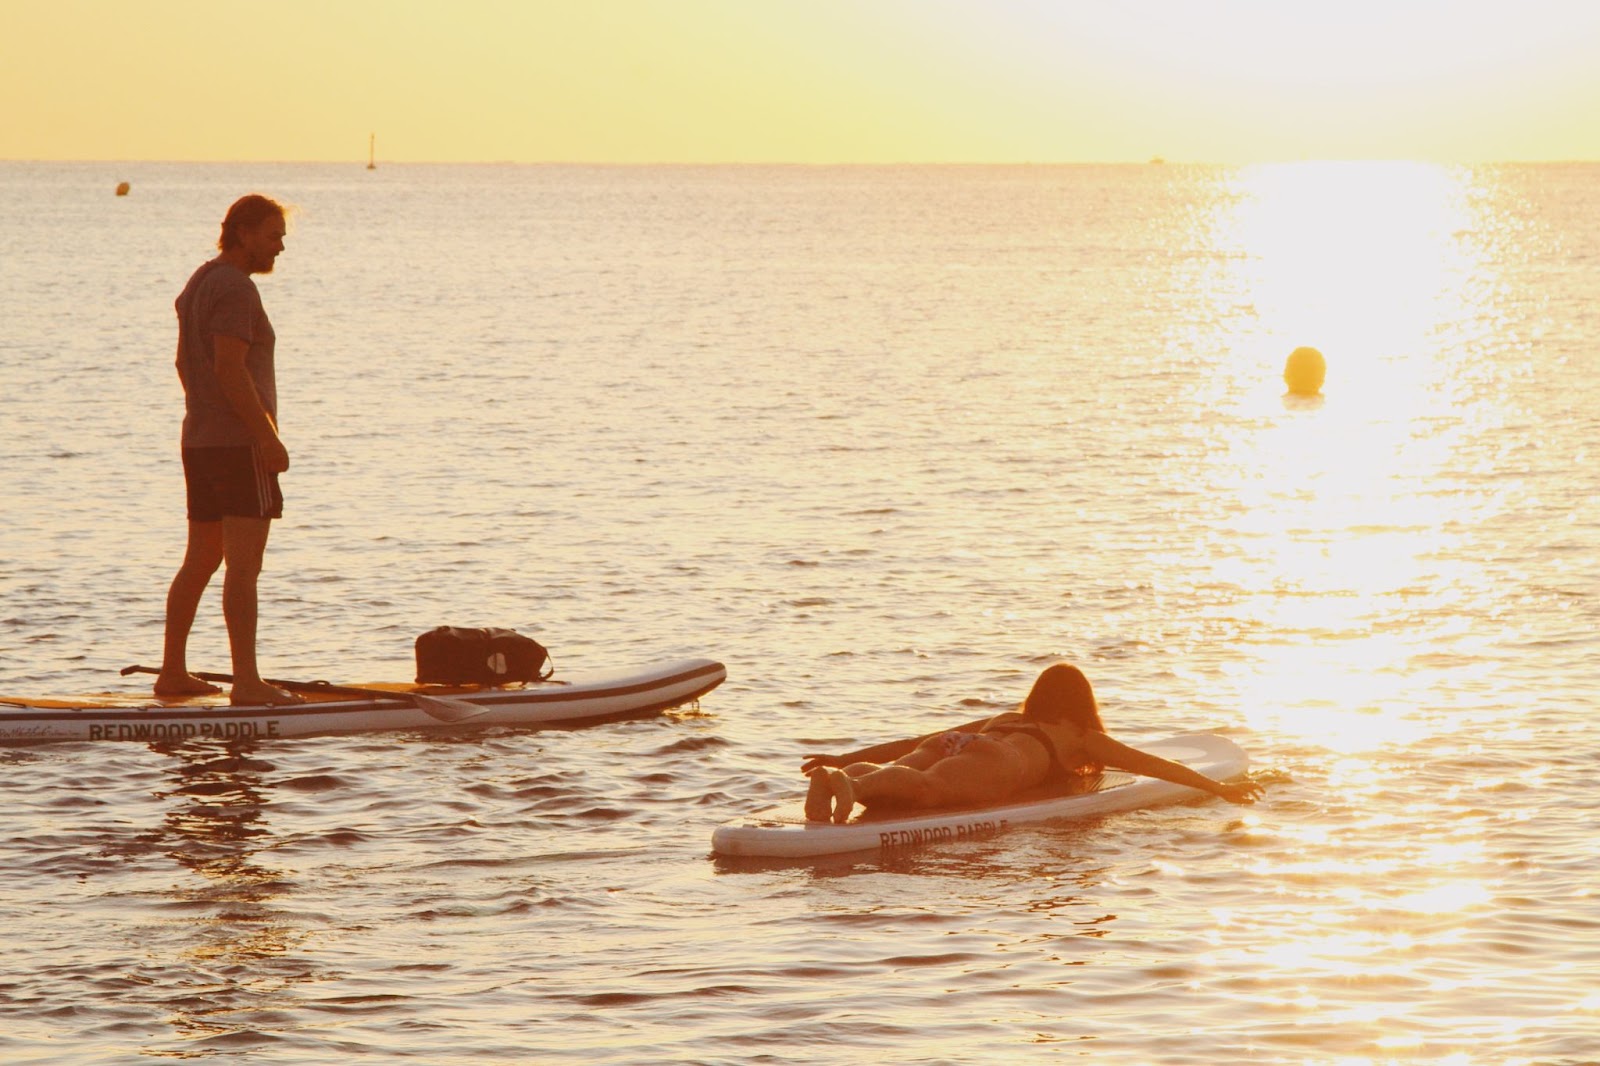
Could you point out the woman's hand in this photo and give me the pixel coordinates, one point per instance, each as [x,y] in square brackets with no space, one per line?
[1245,791]
[817,762]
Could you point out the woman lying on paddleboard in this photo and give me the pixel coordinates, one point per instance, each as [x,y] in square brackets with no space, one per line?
[1057,732]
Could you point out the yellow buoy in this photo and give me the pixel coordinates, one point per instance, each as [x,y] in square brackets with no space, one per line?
[1304,371]
[122,188]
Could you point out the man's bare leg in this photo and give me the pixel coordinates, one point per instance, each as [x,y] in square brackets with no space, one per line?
[244,545]
[201,557]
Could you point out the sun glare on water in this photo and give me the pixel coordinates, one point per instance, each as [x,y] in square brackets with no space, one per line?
[1343,552]
[1360,259]
[1340,516]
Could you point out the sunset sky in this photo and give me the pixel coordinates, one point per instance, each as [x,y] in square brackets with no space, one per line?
[809,81]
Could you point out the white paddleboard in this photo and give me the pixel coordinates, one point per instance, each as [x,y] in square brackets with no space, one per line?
[592,698]
[783,832]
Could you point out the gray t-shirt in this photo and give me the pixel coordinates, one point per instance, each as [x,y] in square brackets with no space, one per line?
[221,298]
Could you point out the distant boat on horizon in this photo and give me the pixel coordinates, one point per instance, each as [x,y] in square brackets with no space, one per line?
[372,151]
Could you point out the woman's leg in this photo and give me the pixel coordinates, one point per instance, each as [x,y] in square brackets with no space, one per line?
[833,793]
[986,771]
[820,802]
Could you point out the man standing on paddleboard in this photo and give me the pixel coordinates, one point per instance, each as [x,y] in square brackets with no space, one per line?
[232,454]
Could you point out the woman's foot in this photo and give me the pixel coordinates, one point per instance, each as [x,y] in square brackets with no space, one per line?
[819,797]
[843,791]
[179,686]
[830,797]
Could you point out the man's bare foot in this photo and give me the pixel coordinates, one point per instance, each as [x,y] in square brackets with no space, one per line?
[177,686]
[261,694]
[819,797]
[844,795]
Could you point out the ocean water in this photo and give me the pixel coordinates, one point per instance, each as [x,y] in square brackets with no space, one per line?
[886,441]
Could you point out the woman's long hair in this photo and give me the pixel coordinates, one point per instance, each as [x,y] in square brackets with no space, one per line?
[1063,694]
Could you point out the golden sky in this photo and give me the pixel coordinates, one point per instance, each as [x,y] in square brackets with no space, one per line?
[808,81]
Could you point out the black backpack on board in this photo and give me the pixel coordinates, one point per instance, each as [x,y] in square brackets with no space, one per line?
[451,655]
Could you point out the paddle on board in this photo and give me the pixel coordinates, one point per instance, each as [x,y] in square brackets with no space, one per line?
[444,708]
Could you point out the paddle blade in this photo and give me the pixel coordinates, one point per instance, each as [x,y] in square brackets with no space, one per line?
[446,709]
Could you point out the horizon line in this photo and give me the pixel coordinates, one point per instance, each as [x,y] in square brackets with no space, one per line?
[1150,161]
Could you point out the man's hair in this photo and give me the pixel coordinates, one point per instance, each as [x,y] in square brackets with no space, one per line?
[247,211]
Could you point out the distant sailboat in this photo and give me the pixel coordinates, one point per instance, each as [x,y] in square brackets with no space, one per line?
[372,151]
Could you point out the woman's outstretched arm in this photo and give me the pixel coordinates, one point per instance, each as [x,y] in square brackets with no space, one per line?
[1119,756]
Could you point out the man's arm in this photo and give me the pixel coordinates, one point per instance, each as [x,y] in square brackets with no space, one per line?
[240,392]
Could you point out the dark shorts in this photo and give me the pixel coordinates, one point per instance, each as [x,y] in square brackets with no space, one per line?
[230,482]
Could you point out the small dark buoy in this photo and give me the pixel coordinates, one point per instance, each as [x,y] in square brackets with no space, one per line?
[122,188]
[1304,371]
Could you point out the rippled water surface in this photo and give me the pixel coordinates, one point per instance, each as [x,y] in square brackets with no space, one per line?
[885,442]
